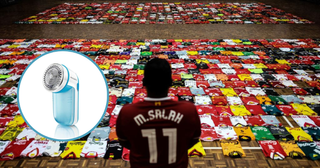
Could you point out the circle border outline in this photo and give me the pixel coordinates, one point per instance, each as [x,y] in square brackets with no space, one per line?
[79,53]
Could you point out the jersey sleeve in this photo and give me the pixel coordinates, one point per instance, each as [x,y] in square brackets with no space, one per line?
[120,130]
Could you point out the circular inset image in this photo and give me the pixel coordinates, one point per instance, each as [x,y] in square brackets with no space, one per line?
[63,95]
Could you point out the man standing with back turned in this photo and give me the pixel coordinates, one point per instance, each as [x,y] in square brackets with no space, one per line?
[158,131]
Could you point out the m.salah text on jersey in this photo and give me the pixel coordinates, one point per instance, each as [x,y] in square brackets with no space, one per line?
[159,114]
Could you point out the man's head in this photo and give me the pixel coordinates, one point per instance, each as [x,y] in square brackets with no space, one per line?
[157,77]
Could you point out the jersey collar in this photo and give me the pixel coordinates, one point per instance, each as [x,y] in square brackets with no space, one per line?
[157,99]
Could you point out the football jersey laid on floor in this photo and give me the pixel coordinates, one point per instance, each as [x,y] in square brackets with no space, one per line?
[255,91]
[113,134]
[72,150]
[40,138]
[271,110]
[291,99]
[314,132]
[3,145]
[99,134]
[303,121]
[315,119]
[27,134]
[125,154]
[197,150]
[54,148]
[270,120]
[224,110]
[244,133]
[234,101]
[206,109]
[10,134]
[34,149]
[272,149]
[232,148]
[227,133]
[277,99]
[16,122]
[238,121]
[255,109]
[251,100]
[116,110]
[114,150]
[254,120]
[10,110]
[292,149]
[208,134]
[287,109]
[311,150]
[303,109]
[206,121]
[221,121]
[219,100]
[4,121]
[93,149]
[299,134]
[14,149]
[262,133]
[280,133]
[228,92]
[202,100]
[239,110]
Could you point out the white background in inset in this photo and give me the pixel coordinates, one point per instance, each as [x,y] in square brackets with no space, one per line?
[36,102]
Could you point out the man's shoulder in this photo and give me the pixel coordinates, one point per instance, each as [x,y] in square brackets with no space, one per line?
[180,104]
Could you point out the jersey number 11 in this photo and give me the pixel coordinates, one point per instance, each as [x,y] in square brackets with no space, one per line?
[171,133]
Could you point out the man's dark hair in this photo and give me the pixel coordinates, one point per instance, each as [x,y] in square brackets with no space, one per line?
[157,76]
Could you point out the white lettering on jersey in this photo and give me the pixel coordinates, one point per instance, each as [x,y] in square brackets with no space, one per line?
[159,114]
[139,119]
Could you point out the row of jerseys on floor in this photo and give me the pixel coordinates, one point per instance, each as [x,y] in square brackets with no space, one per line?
[277,150]
[113,150]
[227,105]
[102,142]
[211,121]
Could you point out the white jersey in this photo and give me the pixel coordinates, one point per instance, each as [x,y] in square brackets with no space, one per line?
[206,121]
[280,77]
[13,78]
[226,133]
[270,120]
[229,71]
[238,121]
[256,77]
[128,92]
[116,110]
[3,145]
[34,149]
[115,91]
[234,100]
[27,134]
[209,77]
[99,134]
[190,83]
[94,149]
[12,91]
[255,91]
[54,148]
[288,83]
[202,100]
[303,121]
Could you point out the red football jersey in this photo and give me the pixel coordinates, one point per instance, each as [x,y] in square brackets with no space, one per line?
[160,131]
